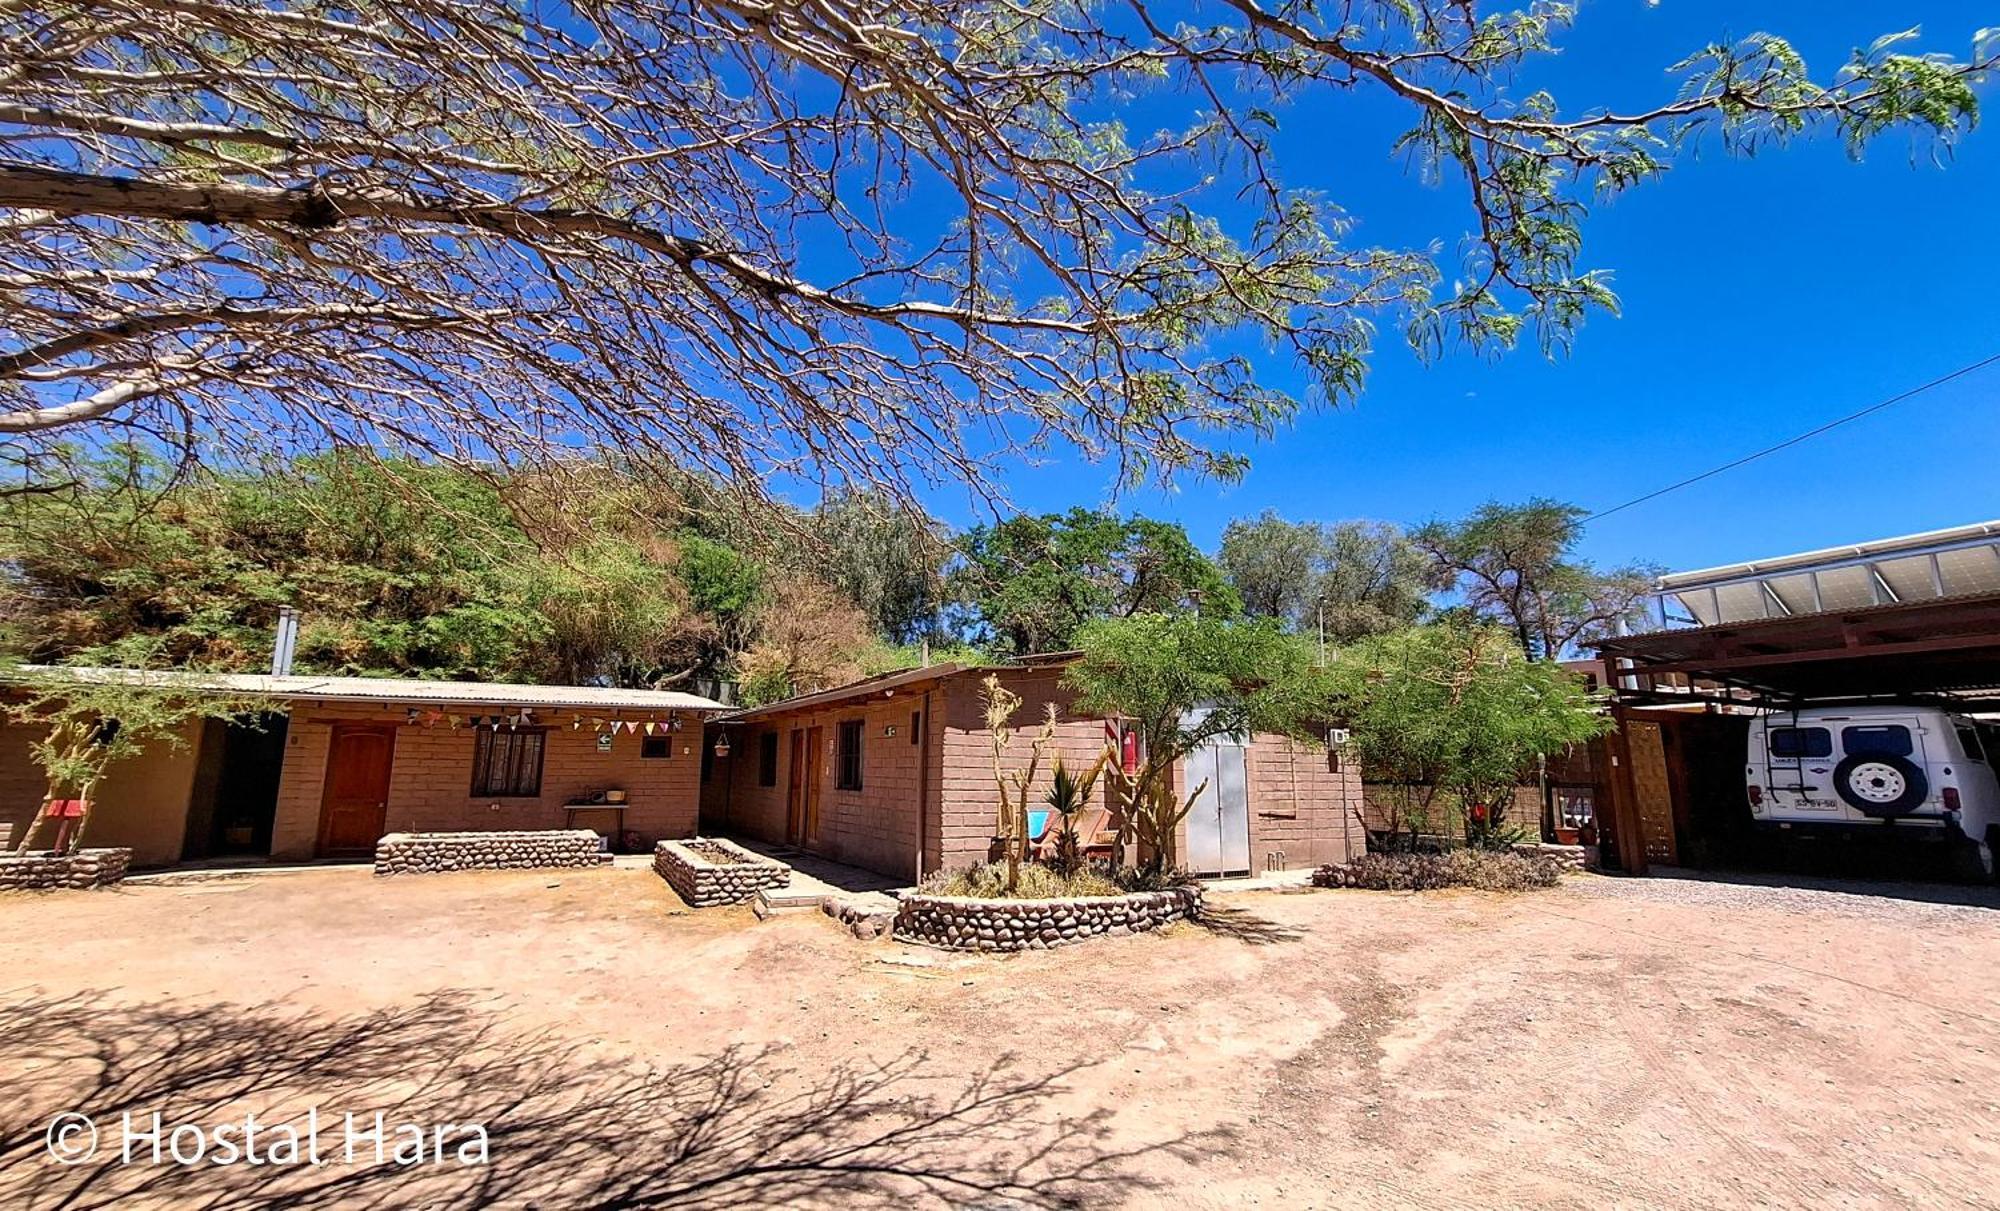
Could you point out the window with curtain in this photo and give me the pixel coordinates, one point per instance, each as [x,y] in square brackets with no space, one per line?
[508,764]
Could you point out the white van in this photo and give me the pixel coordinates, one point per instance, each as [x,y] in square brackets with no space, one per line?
[1924,770]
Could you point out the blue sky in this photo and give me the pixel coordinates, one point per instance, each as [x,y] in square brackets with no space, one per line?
[1761,297]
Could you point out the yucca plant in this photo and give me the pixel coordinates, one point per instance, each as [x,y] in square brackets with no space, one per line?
[1069,795]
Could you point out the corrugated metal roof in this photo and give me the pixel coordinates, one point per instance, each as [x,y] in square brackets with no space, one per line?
[1875,549]
[867,685]
[903,677]
[305,687]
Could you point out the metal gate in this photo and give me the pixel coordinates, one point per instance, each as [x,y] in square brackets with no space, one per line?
[1218,826]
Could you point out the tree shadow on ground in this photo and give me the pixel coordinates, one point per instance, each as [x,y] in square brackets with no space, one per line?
[1244,926]
[734,1129]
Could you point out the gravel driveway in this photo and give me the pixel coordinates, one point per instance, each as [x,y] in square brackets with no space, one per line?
[1626,1043]
[1885,901]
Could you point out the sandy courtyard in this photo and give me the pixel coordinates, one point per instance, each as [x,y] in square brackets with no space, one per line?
[1644,1043]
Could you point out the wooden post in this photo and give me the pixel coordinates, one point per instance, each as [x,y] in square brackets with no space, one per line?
[1624,799]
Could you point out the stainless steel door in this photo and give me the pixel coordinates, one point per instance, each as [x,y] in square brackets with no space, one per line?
[1218,826]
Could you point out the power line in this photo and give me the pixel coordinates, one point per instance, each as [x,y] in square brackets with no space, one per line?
[1961,372]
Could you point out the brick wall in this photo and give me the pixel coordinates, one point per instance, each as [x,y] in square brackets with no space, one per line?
[431,780]
[875,827]
[971,796]
[1297,805]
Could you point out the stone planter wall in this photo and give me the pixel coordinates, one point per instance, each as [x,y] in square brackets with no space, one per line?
[45,871]
[704,882]
[864,921]
[1571,858]
[434,853]
[958,923]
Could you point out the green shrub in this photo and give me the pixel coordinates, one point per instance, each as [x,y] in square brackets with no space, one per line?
[1485,869]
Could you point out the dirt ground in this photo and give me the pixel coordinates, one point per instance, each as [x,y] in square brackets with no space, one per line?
[1611,1043]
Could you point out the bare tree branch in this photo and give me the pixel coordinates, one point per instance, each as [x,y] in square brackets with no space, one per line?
[793,241]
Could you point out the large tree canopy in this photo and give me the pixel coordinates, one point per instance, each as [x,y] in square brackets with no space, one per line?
[1515,565]
[1346,580]
[848,240]
[395,568]
[1457,708]
[1031,581]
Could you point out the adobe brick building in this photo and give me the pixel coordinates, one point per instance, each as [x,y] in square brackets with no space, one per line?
[340,761]
[895,774]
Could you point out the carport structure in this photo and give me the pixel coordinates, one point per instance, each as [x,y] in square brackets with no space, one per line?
[1911,619]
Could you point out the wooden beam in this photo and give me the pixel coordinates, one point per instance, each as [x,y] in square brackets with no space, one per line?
[1948,643]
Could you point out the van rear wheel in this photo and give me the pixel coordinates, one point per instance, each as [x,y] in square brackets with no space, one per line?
[1993,852]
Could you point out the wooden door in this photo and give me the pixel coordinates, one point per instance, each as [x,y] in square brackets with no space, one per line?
[795,792]
[1654,794]
[354,808]
[815,780]
[802,786]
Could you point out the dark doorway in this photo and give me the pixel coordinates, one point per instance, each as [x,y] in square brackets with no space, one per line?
[236,789]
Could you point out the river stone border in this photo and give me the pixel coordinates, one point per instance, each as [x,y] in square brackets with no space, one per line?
[47,872]
[706,884]
[863,920]
[961,923]
[436,853]
[1571,858]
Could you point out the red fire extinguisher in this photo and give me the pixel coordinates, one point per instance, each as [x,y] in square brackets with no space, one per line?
[1128,750]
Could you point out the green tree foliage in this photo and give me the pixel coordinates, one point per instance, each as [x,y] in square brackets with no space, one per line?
[1274,565]
[1183,679]
[397,568]
[1355,577]
[1457,709]
[1035,579]
[884,557]
[1513,565]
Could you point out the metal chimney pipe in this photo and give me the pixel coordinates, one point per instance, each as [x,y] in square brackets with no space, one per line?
[287,642]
